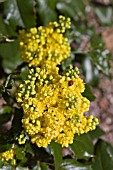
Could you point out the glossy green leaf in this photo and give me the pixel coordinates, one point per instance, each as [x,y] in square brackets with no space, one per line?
[41,166]
[1,89]
[24,73]
[90,72]
[65,63]
[101,59]
[82,147]
[10,56]
[103,156]
[56,150]
[6,147]
[44,166]
[19,13]
[6,96]
[22,168]
[6,138]
[95,134]
[46,10]
[16,122]
[88,93]
[26,11]
[99,56]
[5,30]
[73,9]
[6,109]
[8,167]
[20,153]
[28,148]
[5,114]
[104,15]
[12,14]
[67,10]
[70,164]
[5,118]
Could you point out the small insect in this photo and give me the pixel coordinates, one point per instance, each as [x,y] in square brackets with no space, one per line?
[70,83]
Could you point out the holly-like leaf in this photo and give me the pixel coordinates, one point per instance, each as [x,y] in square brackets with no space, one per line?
[10,55]
[5,114]
[6,147]
[95,134]
[5,30]
[70,164]
[19,13]
[103,156]
[90,72]
[20,153]
[56,150]
[104,15]
[73,9]
[46,10]
[88,93]
[82,147]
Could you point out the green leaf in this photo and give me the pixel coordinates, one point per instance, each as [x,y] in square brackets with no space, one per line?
[46,10]
[99,56]
[88,93]
[70,164]
[41,166]
[104,15]
[67,10]
[16,122]
[5,114]
[22,168]
[28,148]
[10,56]
[103,156]
[6,147]
[26,12]
[90,72]
[73,9]
[7,167]
[6,138]
[56,150]
[24,73]
[95,134]
[101,59]
[20,153]
[19,13]
[1,89]
[65,63]
[6,109]
[82,147]
[44,166]
[5,30]
[5,118]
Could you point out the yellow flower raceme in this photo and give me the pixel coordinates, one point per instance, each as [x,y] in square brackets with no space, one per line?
[53,105]
[45,43]
[8,156]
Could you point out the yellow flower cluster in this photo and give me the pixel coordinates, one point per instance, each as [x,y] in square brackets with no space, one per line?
[8,156]
[54,106]
[45,43]
[52,103]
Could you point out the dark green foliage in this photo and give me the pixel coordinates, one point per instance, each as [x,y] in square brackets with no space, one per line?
[90,54]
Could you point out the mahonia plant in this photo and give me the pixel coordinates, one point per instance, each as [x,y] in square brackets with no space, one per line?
[53,105]
[45,43]
[8,156]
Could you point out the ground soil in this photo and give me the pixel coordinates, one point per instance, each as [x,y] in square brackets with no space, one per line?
[102,107]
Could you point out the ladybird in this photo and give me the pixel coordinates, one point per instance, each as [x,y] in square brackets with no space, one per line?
[70,83]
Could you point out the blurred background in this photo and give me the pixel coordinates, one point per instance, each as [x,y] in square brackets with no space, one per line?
[91,39]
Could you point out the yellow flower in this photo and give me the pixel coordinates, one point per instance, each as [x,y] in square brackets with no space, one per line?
[45,43]
[53,105]
[8,156]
